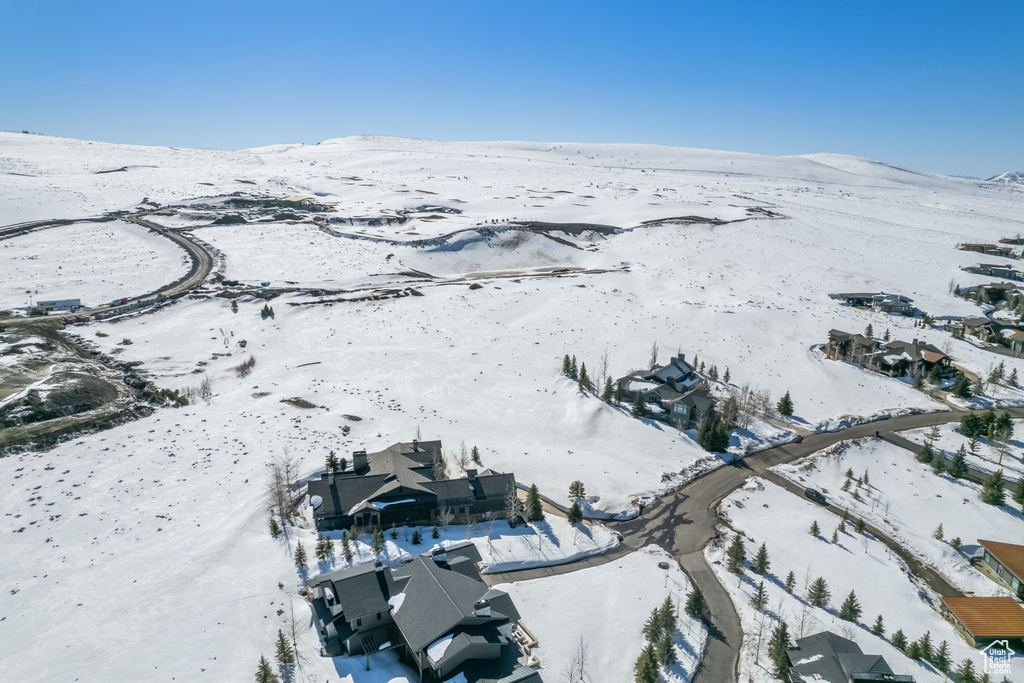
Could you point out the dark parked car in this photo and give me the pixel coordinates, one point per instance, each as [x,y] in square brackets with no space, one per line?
[816,495]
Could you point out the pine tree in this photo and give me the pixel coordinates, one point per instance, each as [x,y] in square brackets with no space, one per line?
[761,562]
[859,525]
[879,628]
[955,543]
[577,490]
[566,366]
[777,652]
[713,373]
[938,465]
[665,650]
[785,405]
[584,382]
[618,393]
[394,531]
[534,508]
[726,376]
[992,491]
[818,595]
[885,335]
[264,674]
[695,604]
[474,454]
[574,371]
[646,668]
[899,640]
[938,534]
[790,582]
[1012,381]
[866,479]
[332,462]
[835,537]
[869,331]
[958,466]
[815,529]
[737,555]
[965,672]
[328,547]
[575,514]
[759,598]
[300,555]
[962,387]
[608,392]
[925,454]
[639,409]
[941,658]
[919,381]
[913,650]
[925,645]
[1018,493]
[377,543]
[850,609]
[435,532]
[846,485]
[275,529]
[285,652]
[417,537]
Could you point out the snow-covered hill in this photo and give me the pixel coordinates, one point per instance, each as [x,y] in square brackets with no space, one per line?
[152,535]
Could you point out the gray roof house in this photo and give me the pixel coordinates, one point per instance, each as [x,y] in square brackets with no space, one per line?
[397,486]
[673,389]
[879,301]
[436,611]
[827,658]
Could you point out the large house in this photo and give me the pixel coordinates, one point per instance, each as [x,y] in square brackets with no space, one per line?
[895,358]
[879,301]
[828,658]
[1004,562]
[989,249]
[670,392]
[435,611]
[982,621]
[995,270]
[397,486]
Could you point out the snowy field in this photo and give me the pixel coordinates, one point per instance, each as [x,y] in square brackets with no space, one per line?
[765,513]
[988,458]
[94,262]
[905,499]
[607,606]
[458,364]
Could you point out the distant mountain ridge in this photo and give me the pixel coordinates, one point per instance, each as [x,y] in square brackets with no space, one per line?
[1016,177]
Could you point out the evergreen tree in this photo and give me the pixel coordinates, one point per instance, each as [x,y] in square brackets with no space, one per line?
[264,674]
[695,604]
[332,462]
[761,562]
[865,479]
[938,465]
[275,529]
[935,375]
[835,537]
[474,454]
[913,650]
[955,543]
[377,543]
[665,650]
[646,668]
[919,381]
[938,534]
[300,555]
[321,549]
[394,531]
[1012,381]
[713,373]
[925,454]
[608,392]
[328,547]
[575,514]
[965,672]
[925,644]
[879,628]
[1018,493]
[639,409]
[725,377]
[785,405]
[534,508]
[346,548]
[566,366]
[818,595]
[777,651]
[850,610]
[899,640]
[941,658]
[417,537]
[737,555]
[958,466]
[859,525]
[285,652]
[759,598]
[574,371]
[962,387]
[992,491]
[584,382]
[435,532]
[815,529]
[869,331]
[790,582]
[618,393]
[885,335]
[577,490]
[1003,430]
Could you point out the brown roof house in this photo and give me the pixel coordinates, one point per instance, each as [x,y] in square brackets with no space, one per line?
[981,621]
[1004,563]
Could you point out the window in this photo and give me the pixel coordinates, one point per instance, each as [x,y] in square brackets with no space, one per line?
[359,622]
[378,616]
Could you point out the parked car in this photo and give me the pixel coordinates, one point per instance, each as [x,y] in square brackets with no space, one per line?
[816,495]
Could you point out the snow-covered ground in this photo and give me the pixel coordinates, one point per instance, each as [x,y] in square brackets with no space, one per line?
[549,542]
[607,606]
[479,365]
[94,262]
[988,458]
[906,500]
[765,513]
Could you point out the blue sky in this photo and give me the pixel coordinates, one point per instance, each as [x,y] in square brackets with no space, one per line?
[932,85]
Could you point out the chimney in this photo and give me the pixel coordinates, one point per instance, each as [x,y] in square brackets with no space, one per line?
[482,608]
[358,460]
[415,445]
[439,555]
[471,474]
[378,566]
[330,477]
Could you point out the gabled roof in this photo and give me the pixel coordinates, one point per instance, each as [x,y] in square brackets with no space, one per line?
[829,658]
[360,590]
[988,617]
[858,339]
[1009,555]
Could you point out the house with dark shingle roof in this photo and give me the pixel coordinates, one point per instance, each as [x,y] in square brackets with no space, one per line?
[397,486]
[1004,562]
[827,658]
[436,611]
[672,388]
